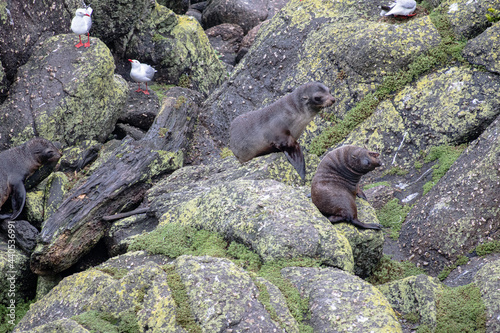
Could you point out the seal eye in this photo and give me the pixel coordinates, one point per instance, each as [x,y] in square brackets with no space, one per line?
[318,99]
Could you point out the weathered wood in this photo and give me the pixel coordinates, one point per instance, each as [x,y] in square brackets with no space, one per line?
[116,186]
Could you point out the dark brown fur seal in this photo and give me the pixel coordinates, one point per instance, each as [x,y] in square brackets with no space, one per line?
[16,164]
[277,126]
[336,183]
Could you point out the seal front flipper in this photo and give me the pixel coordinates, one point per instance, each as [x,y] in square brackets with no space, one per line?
[295,157]
[356,222]
[18,199]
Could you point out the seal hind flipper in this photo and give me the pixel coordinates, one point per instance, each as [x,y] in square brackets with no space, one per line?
[356,222]
[18,199]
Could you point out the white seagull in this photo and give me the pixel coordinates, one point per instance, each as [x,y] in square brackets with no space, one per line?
[399,8]
[141,73]
[81,24]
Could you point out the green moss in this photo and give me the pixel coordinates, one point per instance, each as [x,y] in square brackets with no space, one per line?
[96,321]
[494,16]
[392,215]
[446,156]
[461,309]
[396,171]
[369,186]
[412,317]
[184,316]
[244,257]
[389,270]
[21,309]
[180,101]
[226,152]
[487,248]
[461,260]
[265,299]
[184,81]
[161,90]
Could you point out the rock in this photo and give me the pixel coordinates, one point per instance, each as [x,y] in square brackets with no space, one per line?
[76,158]
[223,296]
[275,220]
[140,110]
[178,6]
[123,130]
[225,39]
[25,234]
[484,50]
[468,18]
[321,41]
[466,198]
[220,295]
[24,25]
[464,274]
[414,295]
[421,117]
[247,41]
[73,97]
[340,302]
[488,281]
[367,246]
[243,13]
[61,326]
[17,282]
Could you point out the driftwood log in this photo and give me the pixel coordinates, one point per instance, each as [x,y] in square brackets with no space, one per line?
[116,186]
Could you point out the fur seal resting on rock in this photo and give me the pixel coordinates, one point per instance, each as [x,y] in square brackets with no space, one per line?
[16,164]
[278,126]
[336,183]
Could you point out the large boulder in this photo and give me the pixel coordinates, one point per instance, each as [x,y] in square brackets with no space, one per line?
[415,294]
[175,45]
[316,40]
[64,94]
[484,50]
[340,302]
[461,211]
[468,18]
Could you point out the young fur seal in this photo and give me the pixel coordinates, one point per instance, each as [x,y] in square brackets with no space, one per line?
[335,185]
[16,164]
[277,126]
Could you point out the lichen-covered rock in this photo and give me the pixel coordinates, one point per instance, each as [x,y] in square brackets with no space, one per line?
[414,294]
[487,280]
[64,325]
[340,302]
[325,41]
[275,220]
[17,282]
[367,245]
[468,18]
[223,296]
[461,211]
[73,94]
[243,13]
[484,50]
[70,297]
[449,107]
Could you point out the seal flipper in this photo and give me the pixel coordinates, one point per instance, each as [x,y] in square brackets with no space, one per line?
[356,222]
[296,158]
[18,199]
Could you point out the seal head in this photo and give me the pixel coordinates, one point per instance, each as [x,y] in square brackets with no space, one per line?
[16,164]
[277,127]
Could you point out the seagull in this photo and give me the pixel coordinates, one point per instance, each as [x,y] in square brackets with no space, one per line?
[81,24]
[400,8]
[141,73]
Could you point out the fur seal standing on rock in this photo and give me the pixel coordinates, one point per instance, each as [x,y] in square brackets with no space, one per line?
[335,185]
[278,126]
[16,164]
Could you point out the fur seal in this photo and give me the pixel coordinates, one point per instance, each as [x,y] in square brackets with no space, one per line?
[277,126]
[336,183]
[16,164]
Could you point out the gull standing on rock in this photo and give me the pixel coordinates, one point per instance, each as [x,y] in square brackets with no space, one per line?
[81,24]
[400,8]
[141,73]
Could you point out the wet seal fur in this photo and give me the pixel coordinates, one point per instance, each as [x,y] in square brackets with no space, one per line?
[16,164]
[336,183]
[278,126]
